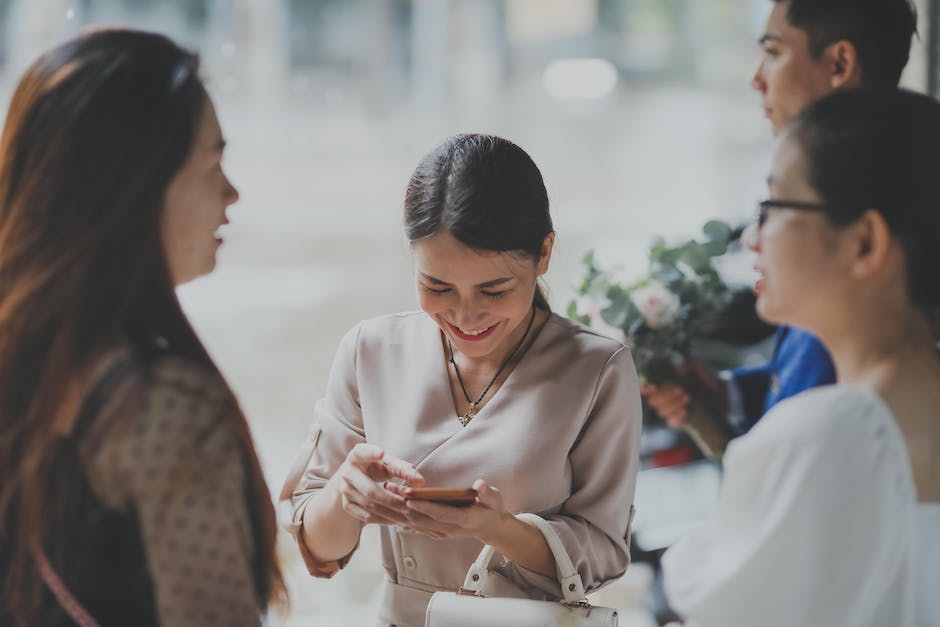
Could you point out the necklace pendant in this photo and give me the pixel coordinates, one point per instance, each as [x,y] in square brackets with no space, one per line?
[467,417]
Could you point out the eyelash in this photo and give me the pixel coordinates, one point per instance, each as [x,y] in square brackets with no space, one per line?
[447,290]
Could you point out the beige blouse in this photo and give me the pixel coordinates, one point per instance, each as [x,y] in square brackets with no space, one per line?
[559,438]
[170,454]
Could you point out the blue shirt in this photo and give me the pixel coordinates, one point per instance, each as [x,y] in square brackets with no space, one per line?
[800,362]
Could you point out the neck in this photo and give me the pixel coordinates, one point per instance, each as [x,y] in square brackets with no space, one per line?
[876,347]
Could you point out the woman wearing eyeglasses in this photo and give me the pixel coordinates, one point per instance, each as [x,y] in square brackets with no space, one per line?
[830,508]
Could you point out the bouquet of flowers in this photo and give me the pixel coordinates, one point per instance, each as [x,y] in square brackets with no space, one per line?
[659,315]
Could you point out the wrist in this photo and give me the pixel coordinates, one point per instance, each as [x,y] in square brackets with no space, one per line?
[503,532]
[331,500]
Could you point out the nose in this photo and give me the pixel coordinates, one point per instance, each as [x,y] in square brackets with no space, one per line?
[467,314]
[231,194]
[751,236]
[757,80]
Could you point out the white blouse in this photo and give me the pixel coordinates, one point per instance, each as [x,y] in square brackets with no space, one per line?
[559,438]
[818,523]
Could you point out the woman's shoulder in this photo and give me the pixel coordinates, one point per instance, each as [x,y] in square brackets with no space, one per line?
[573,340]
[406,329]
[390,325]
[148,376]
[164,411]
[163,391]
[829,408]
[832,421]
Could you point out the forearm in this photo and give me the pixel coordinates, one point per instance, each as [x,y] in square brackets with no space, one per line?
[523,543]
[328,531]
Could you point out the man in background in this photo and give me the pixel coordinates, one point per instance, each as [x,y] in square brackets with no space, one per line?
[810,48]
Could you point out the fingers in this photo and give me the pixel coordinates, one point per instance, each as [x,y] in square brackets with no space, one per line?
[373,462]
[364,453]
[361,513]
[373,492]
[398,469]
[433,511]
[429,526]
[670,402]
[365,502]
[488,495]
[394,488]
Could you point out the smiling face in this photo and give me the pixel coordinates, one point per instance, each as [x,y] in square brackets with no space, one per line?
[788,76]
[481,300]
[802,258]
[195,204]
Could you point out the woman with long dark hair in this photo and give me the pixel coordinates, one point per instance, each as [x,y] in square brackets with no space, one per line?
[830,507]
[131,491]
[483,388]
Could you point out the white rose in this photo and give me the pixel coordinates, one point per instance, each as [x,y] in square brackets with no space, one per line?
[656,303]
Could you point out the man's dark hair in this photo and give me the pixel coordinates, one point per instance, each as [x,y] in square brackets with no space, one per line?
[880,30]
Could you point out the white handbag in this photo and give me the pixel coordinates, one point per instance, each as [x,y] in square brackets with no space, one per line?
[469,608]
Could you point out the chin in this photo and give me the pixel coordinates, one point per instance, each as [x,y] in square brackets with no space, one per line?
[476,349]
[768,313]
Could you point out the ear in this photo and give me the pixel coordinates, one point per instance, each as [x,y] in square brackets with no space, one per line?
[872,244]
[842,60]
[546,255]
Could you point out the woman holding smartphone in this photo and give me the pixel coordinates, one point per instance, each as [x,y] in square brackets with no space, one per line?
[485,388]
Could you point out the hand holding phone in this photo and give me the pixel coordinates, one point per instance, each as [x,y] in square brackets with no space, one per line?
[455,497]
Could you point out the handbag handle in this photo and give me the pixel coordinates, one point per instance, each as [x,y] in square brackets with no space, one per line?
[60,591]
[571,585]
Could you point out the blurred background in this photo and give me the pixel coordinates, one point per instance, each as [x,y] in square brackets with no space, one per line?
[638,112]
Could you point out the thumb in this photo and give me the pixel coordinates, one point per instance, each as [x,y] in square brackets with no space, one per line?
[366,453]
[488,495]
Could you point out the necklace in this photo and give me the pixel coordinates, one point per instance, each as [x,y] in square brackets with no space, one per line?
[472,411]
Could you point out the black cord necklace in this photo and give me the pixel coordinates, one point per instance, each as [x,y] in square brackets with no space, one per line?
[472,411]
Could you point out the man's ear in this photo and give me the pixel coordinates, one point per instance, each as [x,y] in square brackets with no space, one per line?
[842,59]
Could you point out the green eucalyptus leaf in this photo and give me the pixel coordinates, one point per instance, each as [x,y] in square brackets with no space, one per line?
[696,257]
[715,248]
[717,231]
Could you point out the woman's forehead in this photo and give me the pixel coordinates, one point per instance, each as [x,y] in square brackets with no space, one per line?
[445,258]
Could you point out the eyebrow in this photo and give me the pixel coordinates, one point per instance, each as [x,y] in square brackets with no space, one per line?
[492,283]
[769,37]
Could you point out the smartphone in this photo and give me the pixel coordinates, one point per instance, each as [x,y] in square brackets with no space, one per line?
[455,497]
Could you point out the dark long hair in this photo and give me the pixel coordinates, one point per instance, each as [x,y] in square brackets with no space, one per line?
[486,192]
[879,148]
[96,130]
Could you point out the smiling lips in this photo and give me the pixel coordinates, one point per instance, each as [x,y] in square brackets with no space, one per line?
[472,336]
[759,284]
[217,234]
